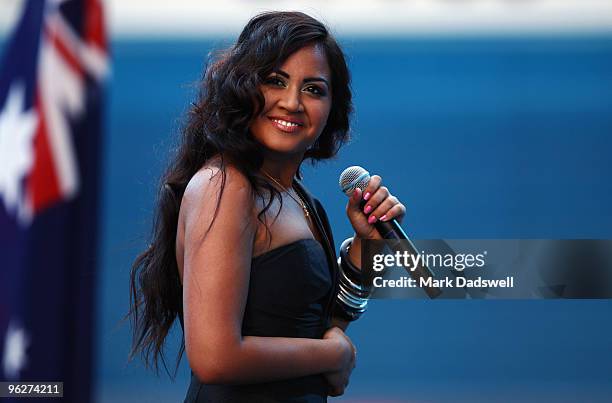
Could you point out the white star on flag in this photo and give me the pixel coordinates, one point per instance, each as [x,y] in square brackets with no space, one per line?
[14,356]
[17,129]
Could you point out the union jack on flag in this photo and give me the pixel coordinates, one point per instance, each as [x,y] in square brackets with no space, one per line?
[51,99]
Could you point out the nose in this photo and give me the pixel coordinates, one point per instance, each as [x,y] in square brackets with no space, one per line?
[291,100]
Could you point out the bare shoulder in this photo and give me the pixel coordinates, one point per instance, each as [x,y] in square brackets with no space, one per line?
[202,200]
[208,182]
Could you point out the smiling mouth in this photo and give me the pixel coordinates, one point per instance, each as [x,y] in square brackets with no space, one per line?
[285,126]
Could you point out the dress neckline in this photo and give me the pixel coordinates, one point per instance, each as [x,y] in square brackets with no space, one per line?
[285,246]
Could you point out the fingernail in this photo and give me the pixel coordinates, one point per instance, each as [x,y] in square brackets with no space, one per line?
[367,209]
[366,196]
[383,218]
[372,220]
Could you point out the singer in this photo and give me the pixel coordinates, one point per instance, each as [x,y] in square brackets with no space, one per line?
[241,253]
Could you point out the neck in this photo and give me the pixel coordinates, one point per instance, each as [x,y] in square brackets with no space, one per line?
[283,171]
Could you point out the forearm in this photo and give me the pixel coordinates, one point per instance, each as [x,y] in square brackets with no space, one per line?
[354,255]
[354,252]
[263,359]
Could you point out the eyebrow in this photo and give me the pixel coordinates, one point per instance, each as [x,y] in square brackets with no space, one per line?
[306,80]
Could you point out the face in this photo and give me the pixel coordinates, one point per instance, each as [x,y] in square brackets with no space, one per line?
[298,101]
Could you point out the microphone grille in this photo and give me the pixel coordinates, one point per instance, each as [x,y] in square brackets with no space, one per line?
[352,178]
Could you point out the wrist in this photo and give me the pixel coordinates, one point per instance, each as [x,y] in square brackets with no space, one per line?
[354,251]
[340,357]
[374,234]
[337,351]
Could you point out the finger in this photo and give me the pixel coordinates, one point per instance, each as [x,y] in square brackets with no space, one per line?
[373,185]
[377,198]
[397,211]
[384,206]
[355,199]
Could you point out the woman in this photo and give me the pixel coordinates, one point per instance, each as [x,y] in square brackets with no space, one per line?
[241,252]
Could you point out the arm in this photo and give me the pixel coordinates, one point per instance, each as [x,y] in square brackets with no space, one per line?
[378,203]
[215,286]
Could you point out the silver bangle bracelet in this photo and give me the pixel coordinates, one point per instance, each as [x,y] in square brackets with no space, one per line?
[362,290]
[352,295]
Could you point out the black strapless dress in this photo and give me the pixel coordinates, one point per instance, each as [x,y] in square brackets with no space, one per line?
[289,295]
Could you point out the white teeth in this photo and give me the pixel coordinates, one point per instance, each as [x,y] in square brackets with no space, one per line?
[285,123]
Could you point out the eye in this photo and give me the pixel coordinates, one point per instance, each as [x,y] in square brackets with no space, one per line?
[315,90]
[275,81]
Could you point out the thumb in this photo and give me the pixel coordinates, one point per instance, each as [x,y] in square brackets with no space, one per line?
[354,200]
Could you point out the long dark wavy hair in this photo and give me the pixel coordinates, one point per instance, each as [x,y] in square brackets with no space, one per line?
[218,125]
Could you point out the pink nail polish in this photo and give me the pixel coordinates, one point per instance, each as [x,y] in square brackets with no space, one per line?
[383,218]
[367,209]
[372,220]
[366,196]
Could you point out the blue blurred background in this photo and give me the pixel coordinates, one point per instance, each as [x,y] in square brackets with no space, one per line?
[481,136]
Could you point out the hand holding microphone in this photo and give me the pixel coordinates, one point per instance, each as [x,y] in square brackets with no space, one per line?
[372,204]
[373,211]
[374,214]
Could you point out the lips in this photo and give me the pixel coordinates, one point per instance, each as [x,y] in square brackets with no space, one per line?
[286,124]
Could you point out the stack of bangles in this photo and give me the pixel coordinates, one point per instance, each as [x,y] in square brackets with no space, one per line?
[352,297]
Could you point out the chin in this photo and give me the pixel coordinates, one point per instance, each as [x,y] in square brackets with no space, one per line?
[282,142]
[283,147]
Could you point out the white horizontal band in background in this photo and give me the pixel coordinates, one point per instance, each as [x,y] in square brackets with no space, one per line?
[197,18]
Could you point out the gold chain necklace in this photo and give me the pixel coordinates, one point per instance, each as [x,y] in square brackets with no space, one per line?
[298,200]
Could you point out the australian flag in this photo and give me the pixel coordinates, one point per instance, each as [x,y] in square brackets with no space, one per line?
[51,102]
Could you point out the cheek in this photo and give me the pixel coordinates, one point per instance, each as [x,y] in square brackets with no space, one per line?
[268,101]
[319,111]
[257,126]
[323,115]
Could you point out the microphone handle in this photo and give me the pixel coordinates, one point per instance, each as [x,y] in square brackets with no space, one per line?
[392,231]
